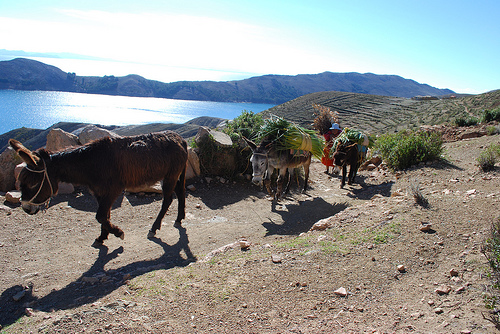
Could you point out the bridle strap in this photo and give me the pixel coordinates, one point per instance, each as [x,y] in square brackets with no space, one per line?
[45,176]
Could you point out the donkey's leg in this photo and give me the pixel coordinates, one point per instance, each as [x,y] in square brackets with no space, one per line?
[344,172]
[168,189]
[288,177]
[352,173]
[306,175]
[180,191]
[279,183]
[103,217]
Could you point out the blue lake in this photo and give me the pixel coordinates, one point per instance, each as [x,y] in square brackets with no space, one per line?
[41,109]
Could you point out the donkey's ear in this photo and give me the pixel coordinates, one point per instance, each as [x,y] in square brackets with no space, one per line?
[250,143]
[24,153]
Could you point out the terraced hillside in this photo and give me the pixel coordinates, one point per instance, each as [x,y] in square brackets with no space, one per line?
[381,114]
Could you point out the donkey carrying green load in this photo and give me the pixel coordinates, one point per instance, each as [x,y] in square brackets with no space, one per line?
[283,146]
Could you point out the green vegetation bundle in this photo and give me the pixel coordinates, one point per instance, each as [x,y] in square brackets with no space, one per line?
[407,148]
[287,136]
[246,124]
[324,119]
[354,136]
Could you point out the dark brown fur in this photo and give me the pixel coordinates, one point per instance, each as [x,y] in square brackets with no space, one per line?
[107,167]
[347,155]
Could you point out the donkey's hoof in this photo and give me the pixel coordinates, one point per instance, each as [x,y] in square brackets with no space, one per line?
[177,224]
[121,235]
[151,234]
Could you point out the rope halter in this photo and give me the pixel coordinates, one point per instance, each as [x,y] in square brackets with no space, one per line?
[45,203]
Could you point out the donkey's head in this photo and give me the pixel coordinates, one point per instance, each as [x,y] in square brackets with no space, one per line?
[259,160]
[36,186]
[344,153]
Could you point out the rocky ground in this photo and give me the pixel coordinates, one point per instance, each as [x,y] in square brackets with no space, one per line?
[243,264]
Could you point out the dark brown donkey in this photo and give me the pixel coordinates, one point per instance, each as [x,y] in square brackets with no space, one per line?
[107,166]
[347,154]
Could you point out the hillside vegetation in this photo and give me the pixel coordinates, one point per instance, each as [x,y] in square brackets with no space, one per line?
[26,74]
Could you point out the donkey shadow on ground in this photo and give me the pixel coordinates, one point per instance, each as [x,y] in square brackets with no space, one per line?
[95,283]
[301,216]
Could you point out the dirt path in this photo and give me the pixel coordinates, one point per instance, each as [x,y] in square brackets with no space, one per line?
[286,281]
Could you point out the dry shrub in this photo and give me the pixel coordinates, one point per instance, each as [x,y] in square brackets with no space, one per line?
[324,118]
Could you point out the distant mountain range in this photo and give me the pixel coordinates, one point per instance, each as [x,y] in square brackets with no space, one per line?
[27,74]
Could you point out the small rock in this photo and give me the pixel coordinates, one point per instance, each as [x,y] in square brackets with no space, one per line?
[471,192]
[276,258]
[460,289]
[424,227]
[18,296]
[244,244]
[191,188]
[453,273]
[13,196]
[321,225]
[342,292]
[430,302]
[438,310]
[401,268]
[443,290]
[29,312]
[91,280]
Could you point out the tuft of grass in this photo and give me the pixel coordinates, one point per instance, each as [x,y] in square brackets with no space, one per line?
[407,148]
[491,250]
[417,194]
[489,157]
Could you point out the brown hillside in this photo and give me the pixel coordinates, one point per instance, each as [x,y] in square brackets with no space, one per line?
[382,114]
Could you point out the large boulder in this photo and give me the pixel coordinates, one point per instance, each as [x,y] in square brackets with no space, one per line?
[220,138]
[8,161]
[193,165]
[58,140]
[92,132]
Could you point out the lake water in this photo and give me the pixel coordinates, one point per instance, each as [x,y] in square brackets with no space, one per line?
[40,109]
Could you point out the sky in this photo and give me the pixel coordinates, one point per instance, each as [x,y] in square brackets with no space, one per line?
[446,44]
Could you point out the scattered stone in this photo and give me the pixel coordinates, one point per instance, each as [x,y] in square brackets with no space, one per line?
[20,295]
[244,244]
[453,273]
[438,310]
[191,188]
[460,289]
[470,192]
[29,311]
[321,238]
[13,196]
[91,280]
[321,225]
[276,258]
[401,268]
[425,227]
[430,302]
[443,290]
[342,292]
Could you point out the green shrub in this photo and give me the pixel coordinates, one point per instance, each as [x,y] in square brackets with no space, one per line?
[489,157]
[407,148]
[491,115]
[491,250]
[466,121]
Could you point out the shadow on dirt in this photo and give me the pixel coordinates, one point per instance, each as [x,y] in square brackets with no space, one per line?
[295,219]
[94,283]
